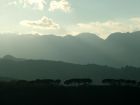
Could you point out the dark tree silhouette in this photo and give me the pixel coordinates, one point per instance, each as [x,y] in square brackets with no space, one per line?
[57,82]
[48,82]
[108,81]
[119,82]
[78,82]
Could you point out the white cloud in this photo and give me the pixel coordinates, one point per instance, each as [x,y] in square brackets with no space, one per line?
[36,4]
[136,19]
[103,29]
[63,5]
[13,3]
[43,23]
[136,23]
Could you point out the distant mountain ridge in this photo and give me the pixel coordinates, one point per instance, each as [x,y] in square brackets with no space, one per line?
[119,49]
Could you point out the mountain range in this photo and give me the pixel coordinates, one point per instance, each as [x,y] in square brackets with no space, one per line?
[119,49]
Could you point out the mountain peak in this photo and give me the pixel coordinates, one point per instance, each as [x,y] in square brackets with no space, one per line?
[125,36]
[12,58]
[87,35]
[9,57]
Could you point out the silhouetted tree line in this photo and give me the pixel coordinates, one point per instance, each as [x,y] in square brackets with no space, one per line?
[120,82]
[69,82]
[47,82]
[78,82]
[127,67]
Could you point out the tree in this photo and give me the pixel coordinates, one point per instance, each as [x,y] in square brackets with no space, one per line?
[108,81]
[119,82]
[78,82]
[48,82]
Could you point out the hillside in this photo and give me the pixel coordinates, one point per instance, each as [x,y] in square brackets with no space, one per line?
[44,69]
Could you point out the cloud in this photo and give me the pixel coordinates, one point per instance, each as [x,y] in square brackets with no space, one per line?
[54,5]
[13,3]
[63,5]
[103,29]
[43,23]
[136,20]
[36,4]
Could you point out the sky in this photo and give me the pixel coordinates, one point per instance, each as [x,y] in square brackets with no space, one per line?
[62,17]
